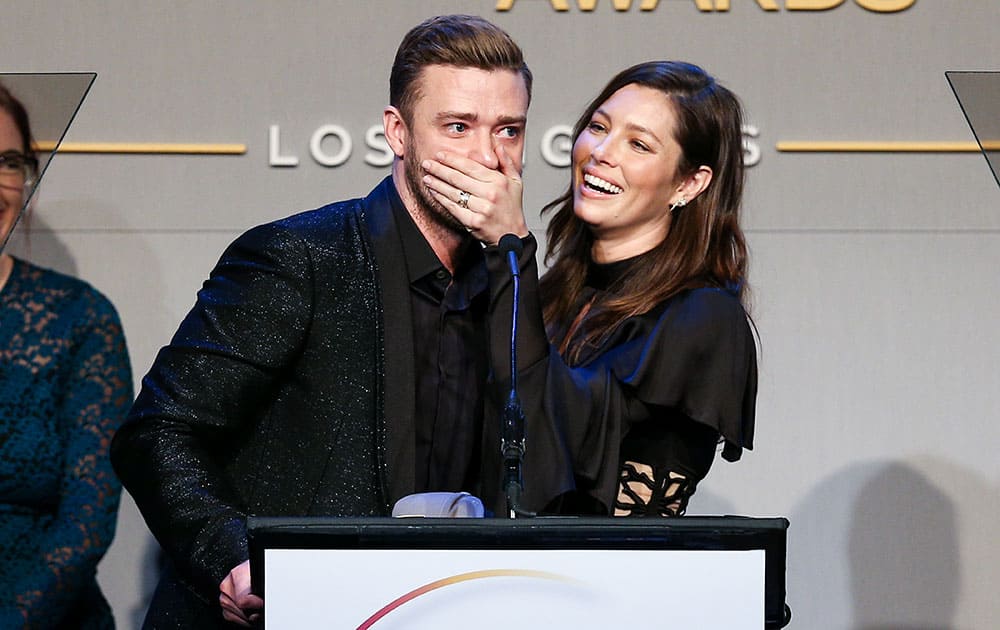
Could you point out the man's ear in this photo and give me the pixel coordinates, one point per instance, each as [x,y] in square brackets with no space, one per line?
[395,130]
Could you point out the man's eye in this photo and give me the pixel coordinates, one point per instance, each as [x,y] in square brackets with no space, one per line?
[457,127]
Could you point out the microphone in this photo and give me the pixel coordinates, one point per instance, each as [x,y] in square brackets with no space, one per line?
[512,246]
[512,424]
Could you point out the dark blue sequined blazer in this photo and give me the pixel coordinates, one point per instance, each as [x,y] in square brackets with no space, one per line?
[273,395]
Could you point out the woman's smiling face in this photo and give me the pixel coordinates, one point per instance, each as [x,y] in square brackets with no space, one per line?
[625,169]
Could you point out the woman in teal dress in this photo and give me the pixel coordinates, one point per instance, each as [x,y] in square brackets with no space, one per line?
[65,386]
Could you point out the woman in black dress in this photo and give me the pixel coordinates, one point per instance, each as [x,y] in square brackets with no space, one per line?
[637,357]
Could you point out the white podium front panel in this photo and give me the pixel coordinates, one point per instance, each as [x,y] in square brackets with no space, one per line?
[425,589]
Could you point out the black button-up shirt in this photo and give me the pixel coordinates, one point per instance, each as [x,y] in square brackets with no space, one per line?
[450,345]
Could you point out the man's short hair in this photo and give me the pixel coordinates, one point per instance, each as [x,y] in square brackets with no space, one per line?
[463,41]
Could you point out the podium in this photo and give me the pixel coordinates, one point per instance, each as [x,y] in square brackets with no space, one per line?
[546,572]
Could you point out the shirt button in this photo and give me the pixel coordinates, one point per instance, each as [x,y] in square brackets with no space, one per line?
[441,274]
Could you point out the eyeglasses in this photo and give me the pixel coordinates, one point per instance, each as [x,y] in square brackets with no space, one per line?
[17,168]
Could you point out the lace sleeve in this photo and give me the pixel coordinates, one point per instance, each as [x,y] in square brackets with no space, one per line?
[662,463]
[645,491]
[96,397]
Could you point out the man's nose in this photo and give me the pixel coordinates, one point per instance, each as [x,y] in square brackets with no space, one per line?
[483,150]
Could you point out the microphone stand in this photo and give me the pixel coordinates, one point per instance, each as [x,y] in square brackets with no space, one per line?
[512,423]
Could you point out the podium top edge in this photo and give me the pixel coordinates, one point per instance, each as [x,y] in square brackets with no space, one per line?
[319,524]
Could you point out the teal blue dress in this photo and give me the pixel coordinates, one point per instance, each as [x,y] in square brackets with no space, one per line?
[65,386]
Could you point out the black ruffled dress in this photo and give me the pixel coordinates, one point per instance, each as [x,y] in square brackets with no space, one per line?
[634,424]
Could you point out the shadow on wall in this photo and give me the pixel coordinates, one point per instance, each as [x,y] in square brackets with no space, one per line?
[903,553]
[707,503]
[34,240]
[874,547]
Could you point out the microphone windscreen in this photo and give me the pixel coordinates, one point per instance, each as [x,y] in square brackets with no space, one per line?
[439,505]
[510,243]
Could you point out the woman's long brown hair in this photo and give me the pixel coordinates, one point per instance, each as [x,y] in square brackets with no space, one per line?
[704,246]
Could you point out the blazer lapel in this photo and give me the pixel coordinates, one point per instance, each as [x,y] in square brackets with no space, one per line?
[398,389]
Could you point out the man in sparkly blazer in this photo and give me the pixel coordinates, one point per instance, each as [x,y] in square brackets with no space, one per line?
[333,362]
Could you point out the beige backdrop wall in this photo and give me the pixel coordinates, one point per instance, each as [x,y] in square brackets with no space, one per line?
[874,274]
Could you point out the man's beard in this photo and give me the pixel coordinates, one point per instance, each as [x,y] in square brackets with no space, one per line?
[428,206]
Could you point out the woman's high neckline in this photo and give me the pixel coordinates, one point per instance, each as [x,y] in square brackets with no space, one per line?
[602,276]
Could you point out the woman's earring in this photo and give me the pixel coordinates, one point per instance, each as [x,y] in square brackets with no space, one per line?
[680,203]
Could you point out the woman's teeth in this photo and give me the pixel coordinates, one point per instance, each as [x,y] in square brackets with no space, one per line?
[601,185]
